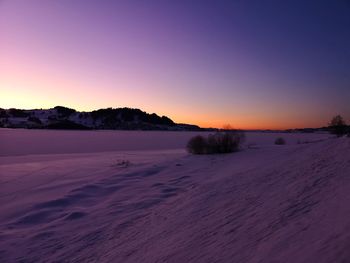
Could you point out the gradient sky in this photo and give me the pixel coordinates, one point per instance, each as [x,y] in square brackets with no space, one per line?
[251,64]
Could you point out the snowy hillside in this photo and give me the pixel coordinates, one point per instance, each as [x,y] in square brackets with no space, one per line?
[65,118]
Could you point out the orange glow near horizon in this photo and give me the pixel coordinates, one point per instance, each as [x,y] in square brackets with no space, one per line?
[27,92]
[200,71]
[16,97]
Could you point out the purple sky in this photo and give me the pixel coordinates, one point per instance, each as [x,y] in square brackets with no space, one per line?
[251,64]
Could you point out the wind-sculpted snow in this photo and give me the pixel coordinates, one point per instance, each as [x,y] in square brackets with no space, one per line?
[265,203]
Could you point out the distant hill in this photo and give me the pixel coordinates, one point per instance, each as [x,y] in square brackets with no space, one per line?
[61,117]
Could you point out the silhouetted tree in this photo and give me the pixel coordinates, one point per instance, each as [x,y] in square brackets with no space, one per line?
[3,113]
[18,113]
[130,115]
[338,126]
[64,112]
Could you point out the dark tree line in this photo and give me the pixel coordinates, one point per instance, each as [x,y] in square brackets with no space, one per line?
[129,115]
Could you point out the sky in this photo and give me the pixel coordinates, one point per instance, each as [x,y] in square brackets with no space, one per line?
[251,64]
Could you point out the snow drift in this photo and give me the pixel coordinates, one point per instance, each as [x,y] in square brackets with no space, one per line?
[266,203]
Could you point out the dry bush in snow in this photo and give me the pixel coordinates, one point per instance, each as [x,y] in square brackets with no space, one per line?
[197,145]
[280,141]
[220,142]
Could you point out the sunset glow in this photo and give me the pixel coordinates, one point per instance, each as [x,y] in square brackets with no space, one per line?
[251,65]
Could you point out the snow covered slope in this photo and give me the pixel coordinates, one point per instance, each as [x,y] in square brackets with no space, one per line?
[264,204]
[69,119]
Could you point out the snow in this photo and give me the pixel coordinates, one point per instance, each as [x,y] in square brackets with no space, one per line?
[58,141]
[84,196]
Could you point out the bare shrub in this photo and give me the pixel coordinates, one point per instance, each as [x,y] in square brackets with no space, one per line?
[280,141]
[220,142]
[197,145]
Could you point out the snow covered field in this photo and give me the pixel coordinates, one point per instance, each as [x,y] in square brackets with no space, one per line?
[109,196]
[24,142]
